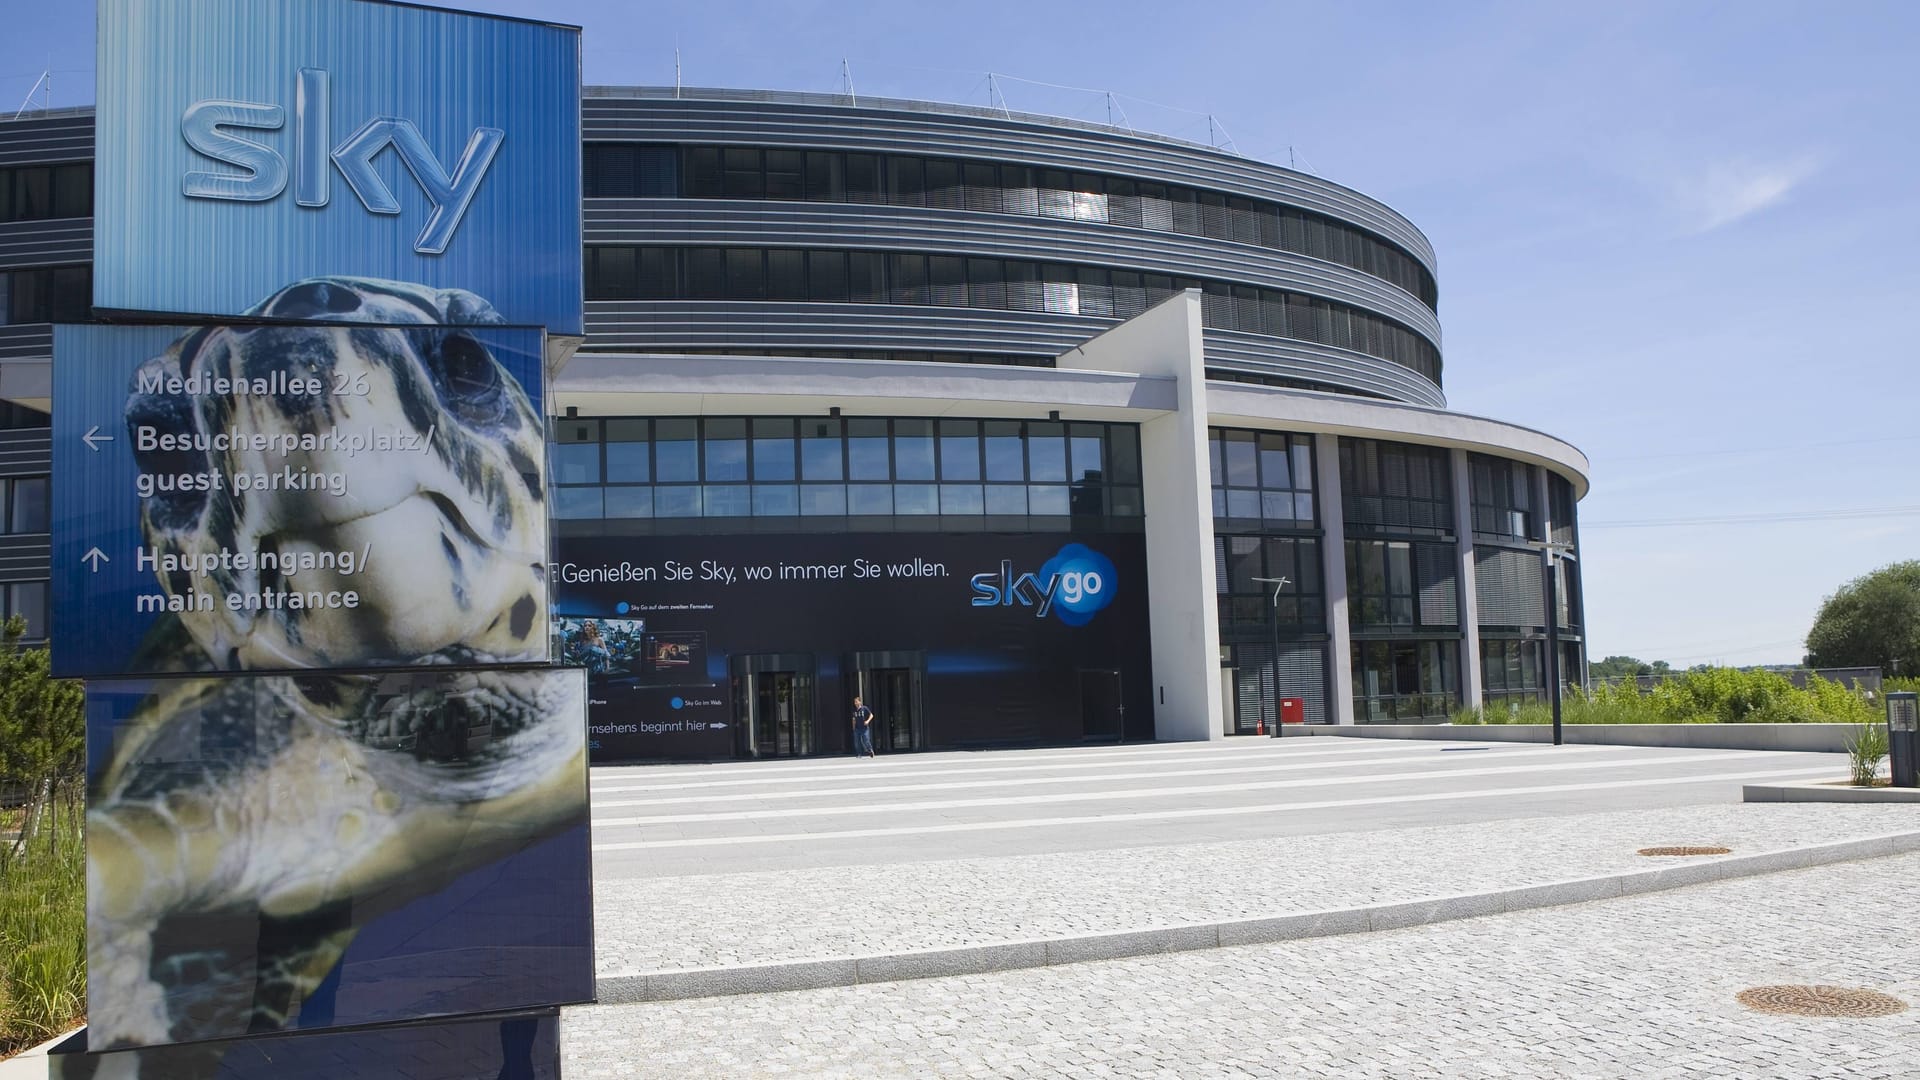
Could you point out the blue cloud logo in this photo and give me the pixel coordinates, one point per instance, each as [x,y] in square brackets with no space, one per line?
[1083,582]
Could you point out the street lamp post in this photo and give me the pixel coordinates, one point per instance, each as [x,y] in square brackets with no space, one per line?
[1549,551]
[1273,625]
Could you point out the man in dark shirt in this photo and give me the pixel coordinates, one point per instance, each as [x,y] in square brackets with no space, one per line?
[862,729]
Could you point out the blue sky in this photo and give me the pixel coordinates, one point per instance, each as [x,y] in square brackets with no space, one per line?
[1678,235]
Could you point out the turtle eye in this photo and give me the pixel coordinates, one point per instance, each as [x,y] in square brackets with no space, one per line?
[470,381]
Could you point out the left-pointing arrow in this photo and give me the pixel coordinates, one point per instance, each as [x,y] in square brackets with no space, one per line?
[95,557]
[93,438]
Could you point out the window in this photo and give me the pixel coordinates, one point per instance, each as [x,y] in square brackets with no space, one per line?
[1396,487]
[28,600]
[26,504]
[629,171]
[51,294]
[1404,681]
[1261,479]
[1512,670]
[1502,498]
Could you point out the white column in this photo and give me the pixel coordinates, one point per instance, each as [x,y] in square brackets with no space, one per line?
[1165,341]
[1333,573]
[1471,692]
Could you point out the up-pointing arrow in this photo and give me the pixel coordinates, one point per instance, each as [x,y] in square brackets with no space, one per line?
[95,556]
[93,438]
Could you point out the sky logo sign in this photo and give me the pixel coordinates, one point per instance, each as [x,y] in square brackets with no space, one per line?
[209,127]
[1073,586]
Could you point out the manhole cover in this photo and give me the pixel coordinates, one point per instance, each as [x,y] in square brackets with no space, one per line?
[1684,851]
[1820,1001]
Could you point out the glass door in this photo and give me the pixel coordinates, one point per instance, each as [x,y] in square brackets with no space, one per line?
[782,714]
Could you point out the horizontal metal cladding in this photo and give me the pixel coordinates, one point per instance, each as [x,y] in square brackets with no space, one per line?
[62,135]
[703,116]
[863,226]
[27,341]
[25,557]
[1260,354]
[666,325]
[54,242]
[26,452]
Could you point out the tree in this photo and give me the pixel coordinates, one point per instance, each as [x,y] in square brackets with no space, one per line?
[1618,667]
[1873,621]
[43,732]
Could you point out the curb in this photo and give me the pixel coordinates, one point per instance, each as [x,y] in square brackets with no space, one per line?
[1047,952]
[1830,793]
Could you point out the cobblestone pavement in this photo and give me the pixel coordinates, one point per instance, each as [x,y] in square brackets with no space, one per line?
[716,920]
[1638,987]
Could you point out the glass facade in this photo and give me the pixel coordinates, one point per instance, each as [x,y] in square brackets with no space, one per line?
[618,272]
[1403,599]
[782,473]
[1266,525]
[1502,499]
[634,170]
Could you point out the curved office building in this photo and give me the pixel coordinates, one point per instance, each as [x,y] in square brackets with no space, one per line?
[1025,430]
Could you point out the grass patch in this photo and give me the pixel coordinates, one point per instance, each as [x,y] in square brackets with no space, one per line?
[1715,696]
[43,936]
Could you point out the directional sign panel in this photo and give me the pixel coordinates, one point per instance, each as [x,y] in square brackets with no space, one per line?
[297,496]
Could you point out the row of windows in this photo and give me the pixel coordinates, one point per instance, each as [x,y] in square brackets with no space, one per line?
[627,170]
[48,294]
[784,467]
[867,277]
[23,504]
[41,192]
[904,356]
[1396,487]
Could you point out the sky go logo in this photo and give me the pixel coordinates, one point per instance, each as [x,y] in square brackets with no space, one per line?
[1074,585]
[205,127]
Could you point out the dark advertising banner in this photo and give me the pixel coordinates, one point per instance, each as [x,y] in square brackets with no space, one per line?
[724,646]
[279,853]
[300,496]
[243,146]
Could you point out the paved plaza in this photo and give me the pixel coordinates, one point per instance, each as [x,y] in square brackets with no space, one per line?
[712,877]
[1638,987]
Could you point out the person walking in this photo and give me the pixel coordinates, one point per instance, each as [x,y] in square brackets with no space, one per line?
[862,729]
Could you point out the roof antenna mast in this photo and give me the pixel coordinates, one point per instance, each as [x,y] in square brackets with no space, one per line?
[846,77]
[676,67]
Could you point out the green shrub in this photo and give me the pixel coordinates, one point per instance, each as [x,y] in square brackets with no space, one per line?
[1865,750]
[1901,684]
[43,936]
[1709,696]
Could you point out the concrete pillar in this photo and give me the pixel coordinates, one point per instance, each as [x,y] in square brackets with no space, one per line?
[1165,341]
[1333,572]
[1471,692]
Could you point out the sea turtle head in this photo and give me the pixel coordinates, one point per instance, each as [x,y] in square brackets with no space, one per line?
[380,448]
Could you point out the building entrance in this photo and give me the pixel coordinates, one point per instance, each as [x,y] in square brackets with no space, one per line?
[1103,717]
[773,705]
[890,684]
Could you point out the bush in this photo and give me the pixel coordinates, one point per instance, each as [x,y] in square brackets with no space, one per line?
[1904,683]
[1865,750]
[43,936]
[1710,696]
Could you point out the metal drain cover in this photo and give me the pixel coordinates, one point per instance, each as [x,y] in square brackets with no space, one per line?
[1684,851]
[1820,1001]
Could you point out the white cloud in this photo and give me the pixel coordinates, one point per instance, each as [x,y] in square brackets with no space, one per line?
[1731,190]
